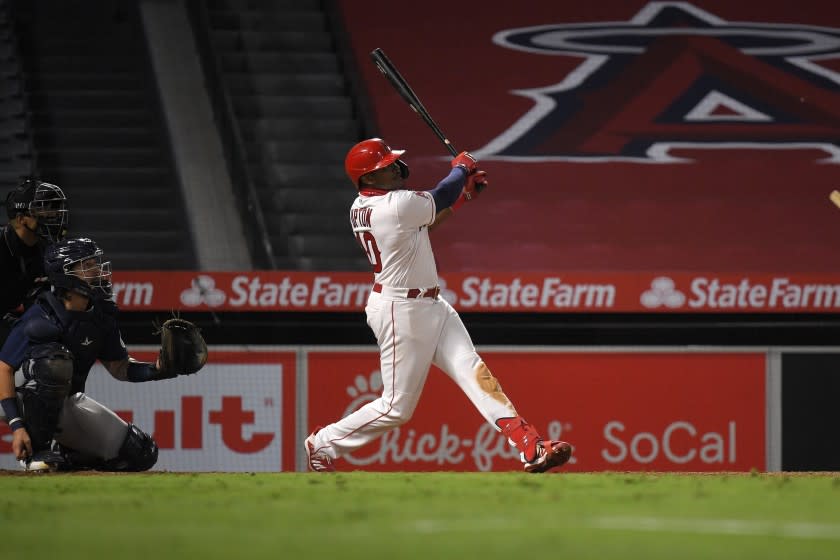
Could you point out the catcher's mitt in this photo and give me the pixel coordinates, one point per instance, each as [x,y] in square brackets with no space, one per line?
[182,348]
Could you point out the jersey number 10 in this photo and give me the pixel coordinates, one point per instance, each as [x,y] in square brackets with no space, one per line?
[371,249]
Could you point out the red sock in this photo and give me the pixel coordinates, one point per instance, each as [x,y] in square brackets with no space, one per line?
[522,435]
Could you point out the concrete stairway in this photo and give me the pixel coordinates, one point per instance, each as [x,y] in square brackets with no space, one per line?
[296,121]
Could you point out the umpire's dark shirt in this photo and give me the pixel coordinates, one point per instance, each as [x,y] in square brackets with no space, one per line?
[20,265]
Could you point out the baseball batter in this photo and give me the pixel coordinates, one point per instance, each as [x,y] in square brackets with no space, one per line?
[414,327]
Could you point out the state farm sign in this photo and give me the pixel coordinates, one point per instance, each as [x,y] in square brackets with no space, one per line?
[621,411]
[486,292]
[711,293]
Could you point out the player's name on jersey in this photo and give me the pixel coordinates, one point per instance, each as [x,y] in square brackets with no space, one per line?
[654,292]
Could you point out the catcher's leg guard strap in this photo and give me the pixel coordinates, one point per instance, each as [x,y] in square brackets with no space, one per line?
[139,452]
[521,435]
[48,371]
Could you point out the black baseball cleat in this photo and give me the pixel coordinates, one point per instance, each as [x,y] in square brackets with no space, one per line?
[550,454]
[44,461]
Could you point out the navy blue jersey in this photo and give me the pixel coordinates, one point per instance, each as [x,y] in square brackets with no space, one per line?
[90,335]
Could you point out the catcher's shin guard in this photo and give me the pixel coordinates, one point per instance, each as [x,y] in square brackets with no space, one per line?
[139,452]
[48,371]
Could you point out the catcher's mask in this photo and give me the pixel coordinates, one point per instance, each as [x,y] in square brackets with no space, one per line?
[78,264]
[370,155]
[43,201]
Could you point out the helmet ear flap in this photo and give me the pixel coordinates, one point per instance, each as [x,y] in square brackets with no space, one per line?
[404,171]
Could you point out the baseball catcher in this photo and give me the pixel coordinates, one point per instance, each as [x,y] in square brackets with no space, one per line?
[55,425]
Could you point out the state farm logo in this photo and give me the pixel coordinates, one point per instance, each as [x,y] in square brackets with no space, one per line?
[404,446]
[204,291]
[741,294]
[484,292]
[138,294]
[662,292]
[449,295]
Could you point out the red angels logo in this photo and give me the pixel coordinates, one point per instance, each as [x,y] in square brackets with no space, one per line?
[675,76]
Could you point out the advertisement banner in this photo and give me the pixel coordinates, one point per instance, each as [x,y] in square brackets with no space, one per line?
[645,292]
[621,411]
[236,414]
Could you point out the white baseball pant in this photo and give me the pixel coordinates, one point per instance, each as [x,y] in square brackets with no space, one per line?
[412,334]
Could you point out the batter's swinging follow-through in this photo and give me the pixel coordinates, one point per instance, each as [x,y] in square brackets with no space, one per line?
[413,325]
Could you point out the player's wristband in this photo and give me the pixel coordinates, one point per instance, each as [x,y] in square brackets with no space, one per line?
[140,372]
[458,202]
[12,413]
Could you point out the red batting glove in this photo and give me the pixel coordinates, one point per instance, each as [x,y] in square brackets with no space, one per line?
[472,188]
[465,160]
[476,183]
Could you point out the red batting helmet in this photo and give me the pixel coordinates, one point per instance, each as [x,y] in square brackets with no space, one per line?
[370,155]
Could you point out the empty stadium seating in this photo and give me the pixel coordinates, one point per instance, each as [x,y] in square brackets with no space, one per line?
[282,74]
[99,132]
[15,151]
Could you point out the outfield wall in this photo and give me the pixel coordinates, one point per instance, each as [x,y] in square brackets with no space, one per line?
[624,409]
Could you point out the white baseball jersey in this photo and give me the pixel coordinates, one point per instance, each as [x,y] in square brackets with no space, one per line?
[392,229]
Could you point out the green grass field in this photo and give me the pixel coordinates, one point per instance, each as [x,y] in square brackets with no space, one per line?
[413,515]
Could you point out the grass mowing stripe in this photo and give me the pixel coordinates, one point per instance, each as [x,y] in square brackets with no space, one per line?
[738,527]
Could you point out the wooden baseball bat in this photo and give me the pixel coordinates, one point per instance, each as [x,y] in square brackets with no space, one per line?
[390,71]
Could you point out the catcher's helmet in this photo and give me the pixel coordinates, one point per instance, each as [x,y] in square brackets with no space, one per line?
[370,155]
[45,202]
[92,276]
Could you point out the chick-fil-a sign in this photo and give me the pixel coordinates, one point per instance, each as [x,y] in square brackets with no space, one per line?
[623,411]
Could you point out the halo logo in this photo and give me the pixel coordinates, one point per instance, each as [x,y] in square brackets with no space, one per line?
[203,290]
[662,292]
[675,76]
